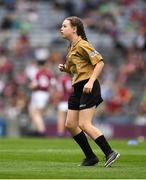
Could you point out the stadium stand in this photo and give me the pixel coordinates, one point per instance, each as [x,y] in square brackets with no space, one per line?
[116,28]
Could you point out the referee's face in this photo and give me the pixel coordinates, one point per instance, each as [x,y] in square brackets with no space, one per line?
[67,30]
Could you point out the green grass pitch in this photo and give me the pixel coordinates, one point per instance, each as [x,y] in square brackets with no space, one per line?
[54,158]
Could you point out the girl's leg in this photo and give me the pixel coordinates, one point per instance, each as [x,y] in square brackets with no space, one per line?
[72,122]
[80,137]
[85,123]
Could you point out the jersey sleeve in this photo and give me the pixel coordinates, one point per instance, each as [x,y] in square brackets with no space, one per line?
[89,52]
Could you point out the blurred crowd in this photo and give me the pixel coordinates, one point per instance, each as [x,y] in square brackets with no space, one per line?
[116,28]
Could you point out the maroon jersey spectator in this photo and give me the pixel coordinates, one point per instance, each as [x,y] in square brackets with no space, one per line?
[64,89]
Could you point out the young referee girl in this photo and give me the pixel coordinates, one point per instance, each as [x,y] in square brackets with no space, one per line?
[84,64]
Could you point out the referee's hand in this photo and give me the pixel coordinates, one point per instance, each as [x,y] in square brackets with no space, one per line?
[88,87]
[62,67]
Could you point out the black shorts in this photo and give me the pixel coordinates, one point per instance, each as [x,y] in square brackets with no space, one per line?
[79,100]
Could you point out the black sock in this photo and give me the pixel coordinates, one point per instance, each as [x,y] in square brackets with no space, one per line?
[81,139]
[104,145]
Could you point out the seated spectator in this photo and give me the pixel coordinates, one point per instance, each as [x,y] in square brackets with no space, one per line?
[121,97]
[141,118]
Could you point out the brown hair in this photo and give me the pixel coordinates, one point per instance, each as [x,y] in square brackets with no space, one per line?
[77,22]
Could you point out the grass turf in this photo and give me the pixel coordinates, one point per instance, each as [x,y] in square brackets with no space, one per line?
[53,158]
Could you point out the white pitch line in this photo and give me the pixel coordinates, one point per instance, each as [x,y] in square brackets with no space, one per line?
[131,152]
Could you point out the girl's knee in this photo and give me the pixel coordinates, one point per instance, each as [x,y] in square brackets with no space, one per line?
[84,126]
[69,126]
